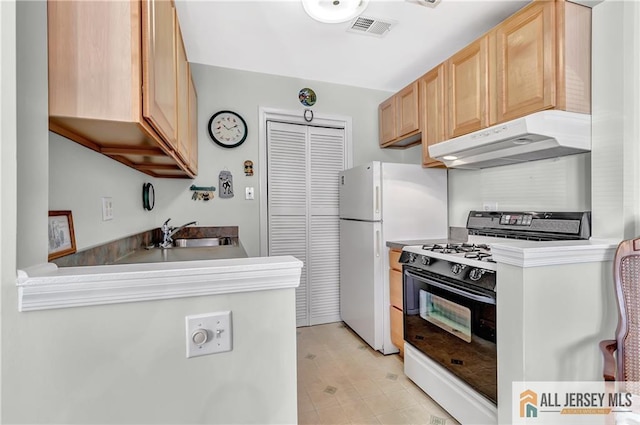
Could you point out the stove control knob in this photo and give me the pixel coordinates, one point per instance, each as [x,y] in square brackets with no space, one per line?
[457,268]
[426,261]
[412,257]
[476,274]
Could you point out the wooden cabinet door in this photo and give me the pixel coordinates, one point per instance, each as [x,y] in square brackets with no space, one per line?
[394,256]
[159,66]
[183,78]
[91,74]
[468,89]
[526,51]
[407,110]
[193,127]
[397,331]
[387,120]
[433,107]
[395,288]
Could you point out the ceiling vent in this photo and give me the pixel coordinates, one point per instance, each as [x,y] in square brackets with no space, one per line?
[370,26]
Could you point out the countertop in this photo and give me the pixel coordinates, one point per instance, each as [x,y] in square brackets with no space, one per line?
[523,253]
[131,249]
[402,244]
[161,255]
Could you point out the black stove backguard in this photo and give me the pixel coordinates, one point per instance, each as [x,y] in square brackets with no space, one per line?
[537,226]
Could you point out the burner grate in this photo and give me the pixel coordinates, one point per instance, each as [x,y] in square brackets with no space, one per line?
[456,248]
[481,256]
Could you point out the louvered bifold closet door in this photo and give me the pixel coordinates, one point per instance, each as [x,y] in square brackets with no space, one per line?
[287,201]
[326,162]
[303,163]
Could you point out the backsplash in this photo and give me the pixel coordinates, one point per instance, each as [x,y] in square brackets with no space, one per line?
[458,234]
[558,184]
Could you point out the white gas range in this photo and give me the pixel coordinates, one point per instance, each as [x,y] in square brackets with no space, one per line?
[450,303]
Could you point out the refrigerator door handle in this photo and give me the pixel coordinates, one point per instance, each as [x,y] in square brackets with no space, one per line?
[377,243]
[377,199]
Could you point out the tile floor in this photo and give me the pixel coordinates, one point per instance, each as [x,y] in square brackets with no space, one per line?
[341,380]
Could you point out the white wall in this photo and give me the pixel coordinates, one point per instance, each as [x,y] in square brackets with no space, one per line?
[80,177]
[33,124]
[8,171]
[559,184]
[126,363]
[556,317]
[616,108]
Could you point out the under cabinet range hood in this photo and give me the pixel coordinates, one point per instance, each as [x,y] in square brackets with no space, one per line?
[545,134]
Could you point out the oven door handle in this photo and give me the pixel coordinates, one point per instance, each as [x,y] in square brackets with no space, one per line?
[470,295]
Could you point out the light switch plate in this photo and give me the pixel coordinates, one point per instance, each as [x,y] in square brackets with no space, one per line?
[208,333]
[248,193]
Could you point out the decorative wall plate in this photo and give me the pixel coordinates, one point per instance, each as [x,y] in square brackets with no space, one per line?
[307,97]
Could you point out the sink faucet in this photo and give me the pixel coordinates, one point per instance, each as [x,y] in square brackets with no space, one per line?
[168,232]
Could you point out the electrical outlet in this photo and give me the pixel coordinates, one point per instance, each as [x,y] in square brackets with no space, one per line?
[208,333]
[107,209]
[490,206]
[248,193]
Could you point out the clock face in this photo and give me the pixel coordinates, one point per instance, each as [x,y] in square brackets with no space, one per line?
[227,129]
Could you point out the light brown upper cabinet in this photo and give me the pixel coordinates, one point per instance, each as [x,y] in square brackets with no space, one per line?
[544,60]
[159,75]
[387,121]
[96,73]
[432,104]
[193,127]
[399,118]
[408,110]
[183,141]
[539,58]
[468,88]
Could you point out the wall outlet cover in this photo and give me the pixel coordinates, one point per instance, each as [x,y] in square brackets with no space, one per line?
[490,206]
[107,209]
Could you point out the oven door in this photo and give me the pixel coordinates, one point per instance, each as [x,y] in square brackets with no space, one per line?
[453,324]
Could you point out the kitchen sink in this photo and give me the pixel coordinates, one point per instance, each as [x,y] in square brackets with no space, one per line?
[188,250]
[202,242]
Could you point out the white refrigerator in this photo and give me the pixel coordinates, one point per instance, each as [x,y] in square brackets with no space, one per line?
[382,202]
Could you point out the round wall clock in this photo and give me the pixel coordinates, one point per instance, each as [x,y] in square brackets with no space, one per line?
[227,129]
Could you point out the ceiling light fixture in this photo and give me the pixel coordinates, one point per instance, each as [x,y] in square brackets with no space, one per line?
[429,3]
[334,11]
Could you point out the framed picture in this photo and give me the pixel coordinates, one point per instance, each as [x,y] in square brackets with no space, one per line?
[62,240]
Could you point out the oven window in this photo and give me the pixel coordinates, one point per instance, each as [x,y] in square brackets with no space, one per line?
[449,316]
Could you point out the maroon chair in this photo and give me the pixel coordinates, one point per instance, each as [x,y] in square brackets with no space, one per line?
[625,366]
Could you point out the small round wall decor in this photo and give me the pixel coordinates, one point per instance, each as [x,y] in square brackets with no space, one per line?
[307,97]
[148,196]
